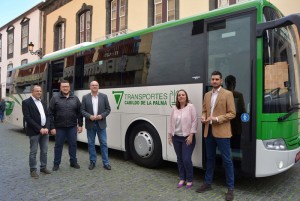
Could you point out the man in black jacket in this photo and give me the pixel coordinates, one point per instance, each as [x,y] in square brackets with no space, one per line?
[65,121]
[37,125]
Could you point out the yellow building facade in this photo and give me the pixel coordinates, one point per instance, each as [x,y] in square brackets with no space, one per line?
[138,15]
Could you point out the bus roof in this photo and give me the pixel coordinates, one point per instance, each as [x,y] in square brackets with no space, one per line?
[89,45]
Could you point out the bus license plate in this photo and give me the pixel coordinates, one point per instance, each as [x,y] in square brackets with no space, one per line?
[297,157]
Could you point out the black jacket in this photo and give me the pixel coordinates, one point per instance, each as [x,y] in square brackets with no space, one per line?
[32,117]
[65,112]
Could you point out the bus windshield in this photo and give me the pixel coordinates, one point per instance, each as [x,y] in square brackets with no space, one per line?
[281,69]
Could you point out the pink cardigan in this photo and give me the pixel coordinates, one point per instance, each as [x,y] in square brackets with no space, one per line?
[189,121]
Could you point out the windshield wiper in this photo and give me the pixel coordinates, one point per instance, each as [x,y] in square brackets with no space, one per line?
[291,111]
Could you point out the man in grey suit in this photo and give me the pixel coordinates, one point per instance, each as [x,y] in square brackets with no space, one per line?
[95,108]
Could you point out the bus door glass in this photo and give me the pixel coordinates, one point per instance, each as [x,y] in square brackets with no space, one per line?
[229,51]
[56,76]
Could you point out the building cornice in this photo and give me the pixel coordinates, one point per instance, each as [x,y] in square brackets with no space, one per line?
[51,5]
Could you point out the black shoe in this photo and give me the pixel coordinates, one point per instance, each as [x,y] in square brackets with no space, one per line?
[34,174]
[55,168]
[45,171]
[92,166]
[229,195]
[108,167]
[204,188]
[75,165]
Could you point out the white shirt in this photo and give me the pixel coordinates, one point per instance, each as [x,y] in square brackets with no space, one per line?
[95,104]
[178,127]
[213,101]
[40,107]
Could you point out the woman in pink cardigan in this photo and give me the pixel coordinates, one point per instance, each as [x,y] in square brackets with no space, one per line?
[181,132]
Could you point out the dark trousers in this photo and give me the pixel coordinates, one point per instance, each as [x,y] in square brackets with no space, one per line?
[184,157]
[223,144]
[69,133]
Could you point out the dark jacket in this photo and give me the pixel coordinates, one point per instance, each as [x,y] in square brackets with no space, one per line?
[65,112]
[87,110]
[32,117]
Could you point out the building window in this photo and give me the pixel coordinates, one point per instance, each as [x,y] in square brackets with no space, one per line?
[10,42]
[85,27]
[225,3]
[24,61]
[118,15]
[0,47]
[84,24]
[161,11]
[9,71]
[164,11]
[24,35]
[59,38]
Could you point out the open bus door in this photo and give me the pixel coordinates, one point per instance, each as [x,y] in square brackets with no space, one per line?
[55,73]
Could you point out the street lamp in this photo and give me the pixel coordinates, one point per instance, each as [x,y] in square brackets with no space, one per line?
[37,52]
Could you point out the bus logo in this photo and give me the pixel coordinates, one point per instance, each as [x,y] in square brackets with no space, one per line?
[118,97]
[145,99]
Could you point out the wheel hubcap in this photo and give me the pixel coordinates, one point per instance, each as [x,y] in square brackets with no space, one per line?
[143,144]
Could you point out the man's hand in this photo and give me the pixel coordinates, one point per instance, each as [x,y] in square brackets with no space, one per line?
[99,117]
[79,129]
[44,131]
[93,118]
[53,132]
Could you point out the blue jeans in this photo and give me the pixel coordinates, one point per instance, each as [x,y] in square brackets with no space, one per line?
[184,157]
[223,145]
[69,133]
[101,133]
[35,141]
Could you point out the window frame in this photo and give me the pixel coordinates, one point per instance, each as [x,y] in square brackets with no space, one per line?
[87,32]
[60,34]
[165,9]
[10,30]
[24,61]
[119,15]
[24,23]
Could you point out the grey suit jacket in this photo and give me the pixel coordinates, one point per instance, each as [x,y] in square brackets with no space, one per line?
[87,110]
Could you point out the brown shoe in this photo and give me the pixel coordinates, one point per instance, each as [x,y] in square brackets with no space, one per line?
[45,171]
[34,174]
[229,195]
[203,188]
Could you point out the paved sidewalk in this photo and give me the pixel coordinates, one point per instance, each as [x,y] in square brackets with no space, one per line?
[126,181]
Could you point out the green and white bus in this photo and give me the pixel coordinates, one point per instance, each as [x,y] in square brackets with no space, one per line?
[252,44]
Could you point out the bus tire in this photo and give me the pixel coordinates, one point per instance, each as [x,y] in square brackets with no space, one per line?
[145,146]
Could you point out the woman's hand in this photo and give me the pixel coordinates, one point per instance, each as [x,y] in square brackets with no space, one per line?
[189,139]
[170,139]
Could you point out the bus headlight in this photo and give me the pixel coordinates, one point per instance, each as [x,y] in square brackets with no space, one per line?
[275,144]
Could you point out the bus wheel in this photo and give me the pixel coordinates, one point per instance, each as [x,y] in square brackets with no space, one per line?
[145,146]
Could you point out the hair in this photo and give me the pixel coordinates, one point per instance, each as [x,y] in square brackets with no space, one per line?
[187,98]
[64,81]
[33,86]
[217,73]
